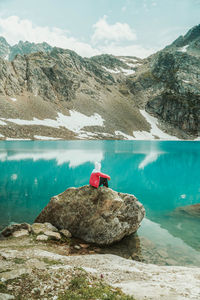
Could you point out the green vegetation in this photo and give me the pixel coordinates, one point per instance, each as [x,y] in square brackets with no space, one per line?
[83,287]
[3,288]
[19,260]
[51,262]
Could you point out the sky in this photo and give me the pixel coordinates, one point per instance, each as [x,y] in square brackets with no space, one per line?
[92,27]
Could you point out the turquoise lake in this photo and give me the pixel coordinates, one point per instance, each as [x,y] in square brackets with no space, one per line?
[162,175]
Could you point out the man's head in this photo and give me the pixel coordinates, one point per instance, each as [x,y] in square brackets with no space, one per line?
[97,166]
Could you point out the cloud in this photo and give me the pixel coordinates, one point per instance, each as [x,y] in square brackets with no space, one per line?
[131,50]
[111,39]
[117,32]
[14,29]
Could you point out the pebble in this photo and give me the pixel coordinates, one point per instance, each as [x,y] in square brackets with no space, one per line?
[19,233]
[66,233]
[42,237]
[53,235]
[77,247]
[84,246]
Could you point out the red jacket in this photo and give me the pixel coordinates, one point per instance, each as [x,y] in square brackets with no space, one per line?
[95,178]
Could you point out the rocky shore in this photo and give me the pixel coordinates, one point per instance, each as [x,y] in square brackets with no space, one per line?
[36,268]
[44,261]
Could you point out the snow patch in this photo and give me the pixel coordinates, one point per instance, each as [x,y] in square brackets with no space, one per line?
[186,81]
[40,137]
[183,49]
[131,65]
[111,71]
[13,99]
[2,123]
[128,137]
[115,71]
[143,135]
[155,131]
[75,122]
[134,60]
[127,71]
[17,139]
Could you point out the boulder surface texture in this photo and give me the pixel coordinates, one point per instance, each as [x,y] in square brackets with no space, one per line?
[101,216]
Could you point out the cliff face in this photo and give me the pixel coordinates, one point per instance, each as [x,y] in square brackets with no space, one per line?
[118,89]
[170,84]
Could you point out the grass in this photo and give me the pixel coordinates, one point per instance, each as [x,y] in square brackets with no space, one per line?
[18,260]
[83,287]
[3,287]
[51,262]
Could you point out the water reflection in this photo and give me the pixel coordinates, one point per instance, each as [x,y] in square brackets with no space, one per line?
[162,175]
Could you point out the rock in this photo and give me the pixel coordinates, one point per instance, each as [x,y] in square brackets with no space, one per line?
[6,296]
[188,210]
[77,247]
[38,228]
[42,237]
[53,235]
[84,246]
[8,231]
[100,216]
[15,273]
[66,233]
[20,233]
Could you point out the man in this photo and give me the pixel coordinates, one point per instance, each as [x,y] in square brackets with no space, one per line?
[97,178]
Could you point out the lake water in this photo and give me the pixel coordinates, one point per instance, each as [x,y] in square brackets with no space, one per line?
[162,175]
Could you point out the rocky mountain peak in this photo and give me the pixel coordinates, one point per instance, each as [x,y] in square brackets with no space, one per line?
[4,48]
[190,42]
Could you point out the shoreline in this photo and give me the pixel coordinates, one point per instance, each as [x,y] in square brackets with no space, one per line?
[26,258]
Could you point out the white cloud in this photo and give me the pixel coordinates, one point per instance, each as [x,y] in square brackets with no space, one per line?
[131,50]
[106,38]
[116,32]
[14,29]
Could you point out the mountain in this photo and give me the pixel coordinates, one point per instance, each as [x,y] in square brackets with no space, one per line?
[169,85]
[52,92]
[9,52]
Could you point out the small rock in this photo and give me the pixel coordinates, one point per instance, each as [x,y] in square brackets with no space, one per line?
[53,235]
[77,247]
[38,228]
[19,233]
[15,273]
[84,246]
[97,250]
[42,237]
[8,231]
[6,296]
[35,291]
[66,233]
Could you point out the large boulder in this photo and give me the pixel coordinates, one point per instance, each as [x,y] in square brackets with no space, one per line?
[100,216]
